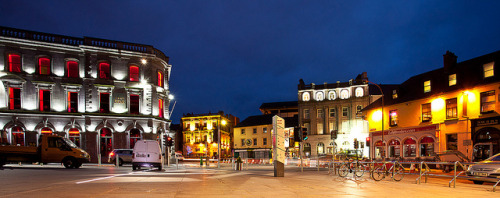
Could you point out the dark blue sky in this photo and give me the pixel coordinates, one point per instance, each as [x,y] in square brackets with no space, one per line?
[235,55]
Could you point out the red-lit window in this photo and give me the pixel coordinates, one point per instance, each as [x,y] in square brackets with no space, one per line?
[74,136]
[46,130]
[44,100]
[14,63]
[135,135]
[133,73]
[72,102]
[160,79]
[104,103]
[14,98]
[17,136]
[160,107]
[44,66]
[106,142]
[134,104]
[72,68]
[104,71]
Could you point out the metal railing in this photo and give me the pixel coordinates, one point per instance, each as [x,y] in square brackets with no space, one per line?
[454,180]
[426,172]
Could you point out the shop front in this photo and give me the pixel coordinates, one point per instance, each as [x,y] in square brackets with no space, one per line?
[405,143]
[485,137]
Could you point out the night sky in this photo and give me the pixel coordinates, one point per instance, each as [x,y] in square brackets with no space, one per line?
[235,55]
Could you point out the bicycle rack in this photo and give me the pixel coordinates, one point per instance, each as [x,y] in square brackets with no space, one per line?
[454,180]
[494,186]
[394,163]
[426,172]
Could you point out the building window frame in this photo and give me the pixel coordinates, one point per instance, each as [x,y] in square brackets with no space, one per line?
[44,65]
[452,141]
[306,114]
[133,107]
[426,110]
[104,70]
[104,105]
[72,104]
[160,78]
[451,108]
[489,69]
[242,131]
[72,69]
[427,86]
[345,112]
[15,98]
[319,113]
[393,118]
[333,112]
[15,63]
[254,130]
[452,80]
[264,141]
[44,98]
[488,101]
[133,73]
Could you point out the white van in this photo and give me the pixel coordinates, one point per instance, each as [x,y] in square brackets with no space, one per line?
[146,153]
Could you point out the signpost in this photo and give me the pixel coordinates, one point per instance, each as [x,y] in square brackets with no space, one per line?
[279,146]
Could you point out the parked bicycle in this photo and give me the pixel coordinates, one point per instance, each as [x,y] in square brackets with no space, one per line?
[380,171]
[355,167]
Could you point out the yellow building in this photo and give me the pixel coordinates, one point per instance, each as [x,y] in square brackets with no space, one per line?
[200,134]
[448,109]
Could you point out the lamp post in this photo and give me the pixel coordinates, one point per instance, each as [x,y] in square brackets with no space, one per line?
[223,122]
[381,92]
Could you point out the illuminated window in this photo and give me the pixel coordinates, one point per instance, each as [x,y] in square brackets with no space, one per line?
[160,108]
[265,129]
[344,94]
[488,101]
[488,70]
[359,92]
[74,136]
[264,141]
[72,69]
[104,103]
[160,78]
[426,112]
[345,111]
[134,104]
[134,73]
[319,128]
[358,109]
[426,147]
[46,130]
[17,136]
[14,98]
[14,63]
[135,135]
[72,102]
[410,148]
[332,112]
[44,66]
[394,148]
[427,86]
[452,80]
[104,71]
[320,96]
[332,95]
[394,94]
[242,131]
[106,142]
[393,118]
[451,108]
[306,114]
[44,100]
[320,113]
[305,96]
[321,148]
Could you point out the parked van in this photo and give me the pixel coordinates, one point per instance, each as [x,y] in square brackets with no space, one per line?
[146,153]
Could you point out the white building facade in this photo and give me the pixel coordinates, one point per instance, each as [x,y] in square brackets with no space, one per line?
[101,94]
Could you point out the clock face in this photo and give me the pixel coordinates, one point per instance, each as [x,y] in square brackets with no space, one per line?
[248,142]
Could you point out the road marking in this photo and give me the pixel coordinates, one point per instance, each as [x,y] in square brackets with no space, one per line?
[102,178]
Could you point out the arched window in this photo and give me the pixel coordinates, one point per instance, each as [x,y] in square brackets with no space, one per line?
[332,95]
[359,92]
[17,134]
[320,96]
[426,147]
[394,148]
[46,131]
[344,94]
[104,70]
[74,136]
[44,66]
[160,79]
[106,142]
[133,73]
[135,135]
[306,96]
[307,149]
[321,148]
[160,108]
[410,147]
[14,63]
[72,69]
[331,147]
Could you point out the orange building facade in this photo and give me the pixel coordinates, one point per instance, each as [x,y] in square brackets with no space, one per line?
[453,108]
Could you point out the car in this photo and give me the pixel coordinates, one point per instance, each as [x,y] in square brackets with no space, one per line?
[124,155]
[146,153]
[487,170]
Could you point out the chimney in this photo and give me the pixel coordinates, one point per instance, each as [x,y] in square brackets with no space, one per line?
[449,61]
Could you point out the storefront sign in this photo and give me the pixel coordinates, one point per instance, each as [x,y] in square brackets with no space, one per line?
[406,130]
[487,122]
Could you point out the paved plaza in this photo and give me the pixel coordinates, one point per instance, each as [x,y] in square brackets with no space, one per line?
[193,181]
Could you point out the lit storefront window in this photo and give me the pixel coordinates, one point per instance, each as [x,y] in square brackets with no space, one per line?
[426,147]
[106,142]
[74,136]
[379,147]
[410,147]
[17,136]
[46,131]
[321,148]
[135,135]
[394,148]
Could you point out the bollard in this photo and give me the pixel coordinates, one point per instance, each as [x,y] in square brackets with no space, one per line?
[117,160]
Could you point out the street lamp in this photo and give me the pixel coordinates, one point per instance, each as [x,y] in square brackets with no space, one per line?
[223,122]
[381,92]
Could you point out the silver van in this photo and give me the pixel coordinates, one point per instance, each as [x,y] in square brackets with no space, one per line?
[146,153]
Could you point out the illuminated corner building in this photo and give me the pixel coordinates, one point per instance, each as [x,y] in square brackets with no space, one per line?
[453,108]
[253,137]
[329,110]
[101,94]
[201,132]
